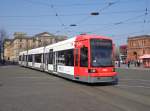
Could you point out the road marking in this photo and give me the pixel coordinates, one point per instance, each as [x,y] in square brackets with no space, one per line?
[139,83]
[134,68]
[133,97]
[147,87]
[143,80]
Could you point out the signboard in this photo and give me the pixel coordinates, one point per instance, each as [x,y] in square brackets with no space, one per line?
[101,43]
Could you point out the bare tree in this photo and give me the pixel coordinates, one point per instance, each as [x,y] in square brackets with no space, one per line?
[3,36]
[117,53]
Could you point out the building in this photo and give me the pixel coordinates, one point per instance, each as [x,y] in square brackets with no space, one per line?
[138,46]
[123,49]
[0,50]
[123,53]
[45,38]
[21,42]
[8,49]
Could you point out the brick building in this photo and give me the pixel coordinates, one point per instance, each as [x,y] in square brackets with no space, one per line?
[138,46]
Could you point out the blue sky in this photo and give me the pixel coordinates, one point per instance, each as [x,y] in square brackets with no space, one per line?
[117,19]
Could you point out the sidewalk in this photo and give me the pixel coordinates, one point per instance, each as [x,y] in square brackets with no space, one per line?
[8,63]
[124,66]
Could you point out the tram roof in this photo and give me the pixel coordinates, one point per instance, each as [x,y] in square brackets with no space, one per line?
[90,36]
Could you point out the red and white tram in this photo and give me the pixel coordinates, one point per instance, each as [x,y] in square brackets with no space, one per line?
[86,58]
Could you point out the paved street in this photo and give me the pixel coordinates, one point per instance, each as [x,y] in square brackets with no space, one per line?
[23,89]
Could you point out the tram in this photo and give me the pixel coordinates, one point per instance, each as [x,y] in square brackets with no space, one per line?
[85,58]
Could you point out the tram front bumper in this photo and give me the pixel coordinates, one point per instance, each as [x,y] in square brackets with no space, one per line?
[102,79]
[109,79]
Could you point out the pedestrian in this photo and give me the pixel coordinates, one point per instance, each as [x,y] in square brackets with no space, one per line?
[128,63]
[138,63]
[135,63]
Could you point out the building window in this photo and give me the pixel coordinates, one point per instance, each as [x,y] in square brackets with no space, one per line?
[144,42]
[143,51]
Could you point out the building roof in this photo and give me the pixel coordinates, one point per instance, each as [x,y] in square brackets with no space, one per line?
[21,35]
[7,39]
[44,34]
[139,37]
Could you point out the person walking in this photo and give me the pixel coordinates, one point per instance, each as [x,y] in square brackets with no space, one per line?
[128,63]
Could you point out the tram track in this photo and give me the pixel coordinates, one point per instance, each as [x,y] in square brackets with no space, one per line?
[122,100]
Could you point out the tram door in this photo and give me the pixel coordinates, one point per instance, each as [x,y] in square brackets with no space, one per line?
[46,61]
[81,58]
[21,59]
[55,61]
[76,61]
[33,60]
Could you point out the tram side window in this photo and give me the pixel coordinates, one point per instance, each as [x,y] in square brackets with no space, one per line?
[50,57]
[84,57]
[69,57]
[38,58]
[29,58]
[61,58]
[66,57]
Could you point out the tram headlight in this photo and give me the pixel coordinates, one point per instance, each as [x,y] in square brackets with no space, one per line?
[92,70]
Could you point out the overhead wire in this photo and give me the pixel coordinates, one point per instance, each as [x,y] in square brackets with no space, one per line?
[59,18]
[37,2]
[118,23]
[109,4]
[146,14]
[102,9]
